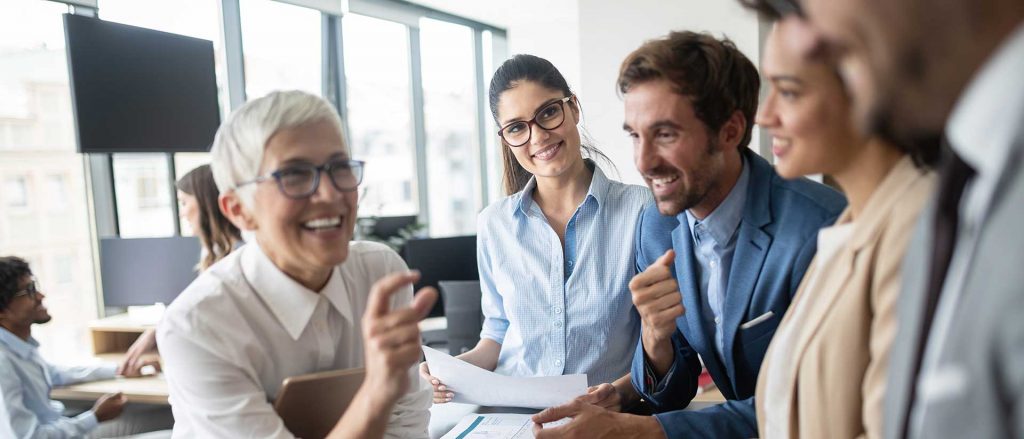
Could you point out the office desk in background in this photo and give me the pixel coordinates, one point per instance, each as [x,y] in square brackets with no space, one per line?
[111,338]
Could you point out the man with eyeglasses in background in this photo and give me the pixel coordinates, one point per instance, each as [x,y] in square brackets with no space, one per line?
[26,378]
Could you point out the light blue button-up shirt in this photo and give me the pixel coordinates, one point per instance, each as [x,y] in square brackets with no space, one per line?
[26,380]
[714,243]
[562,311]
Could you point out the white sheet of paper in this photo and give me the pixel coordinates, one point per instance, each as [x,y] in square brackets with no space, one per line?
[497,426]
[473,385]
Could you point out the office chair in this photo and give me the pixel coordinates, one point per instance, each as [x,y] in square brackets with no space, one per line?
[462,309]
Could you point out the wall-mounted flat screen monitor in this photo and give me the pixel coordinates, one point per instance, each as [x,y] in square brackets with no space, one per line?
[140,90]
[144,271]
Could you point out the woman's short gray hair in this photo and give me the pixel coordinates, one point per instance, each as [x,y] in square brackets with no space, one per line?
[241,140]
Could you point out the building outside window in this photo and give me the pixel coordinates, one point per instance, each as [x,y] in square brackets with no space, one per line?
[36,146]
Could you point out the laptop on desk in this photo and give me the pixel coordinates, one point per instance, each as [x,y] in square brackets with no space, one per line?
[312,404]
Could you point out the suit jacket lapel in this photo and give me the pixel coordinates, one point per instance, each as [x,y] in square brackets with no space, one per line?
[752,245]
[823,296]
[686,275]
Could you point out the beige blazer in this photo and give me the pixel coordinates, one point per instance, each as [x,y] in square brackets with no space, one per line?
[841,350]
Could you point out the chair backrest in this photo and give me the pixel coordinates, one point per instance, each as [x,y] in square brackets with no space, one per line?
[462,309]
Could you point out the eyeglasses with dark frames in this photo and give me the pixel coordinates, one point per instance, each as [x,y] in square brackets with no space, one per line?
[301,180]
[549,117]
[32,291]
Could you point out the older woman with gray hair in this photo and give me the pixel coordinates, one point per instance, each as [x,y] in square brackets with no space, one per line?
[300,297]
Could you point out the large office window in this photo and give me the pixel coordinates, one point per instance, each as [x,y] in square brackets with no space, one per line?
[260,46]
[43,213]
[377,76]
[450,113]
[282,45]
[143,194]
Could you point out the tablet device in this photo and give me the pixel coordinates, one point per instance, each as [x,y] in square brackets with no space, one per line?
[312,404]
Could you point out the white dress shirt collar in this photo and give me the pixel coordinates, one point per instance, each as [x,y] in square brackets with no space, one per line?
[987,118]
[291,302]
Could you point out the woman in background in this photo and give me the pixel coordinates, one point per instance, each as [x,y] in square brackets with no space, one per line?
[556,255]
[197,199]
[825,370]
[197,194]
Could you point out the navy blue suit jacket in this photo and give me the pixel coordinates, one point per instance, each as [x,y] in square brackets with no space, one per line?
[777,238]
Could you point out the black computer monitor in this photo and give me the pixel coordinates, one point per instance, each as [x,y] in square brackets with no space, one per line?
[440,259]
[139,90]
[388,226]
[144,271]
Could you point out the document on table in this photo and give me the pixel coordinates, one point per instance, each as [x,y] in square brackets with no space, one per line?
[473,385]
[497,426]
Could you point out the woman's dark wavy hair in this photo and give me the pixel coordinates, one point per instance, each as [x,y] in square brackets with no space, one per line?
[12,270]
[216,233]
[522,68]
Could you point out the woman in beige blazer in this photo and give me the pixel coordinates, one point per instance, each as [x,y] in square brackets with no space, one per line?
[824,372]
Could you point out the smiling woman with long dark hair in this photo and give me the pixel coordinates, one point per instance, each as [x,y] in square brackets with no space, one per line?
[556,255]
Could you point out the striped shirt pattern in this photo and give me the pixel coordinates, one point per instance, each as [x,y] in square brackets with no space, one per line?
[562,311]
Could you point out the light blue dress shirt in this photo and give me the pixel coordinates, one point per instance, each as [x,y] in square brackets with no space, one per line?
[714,242]
[562,311]
[26,380]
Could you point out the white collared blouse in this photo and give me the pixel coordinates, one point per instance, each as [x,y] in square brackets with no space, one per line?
[243,326]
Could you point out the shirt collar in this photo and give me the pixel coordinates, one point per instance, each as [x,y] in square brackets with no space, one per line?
[598,190]
[723,221]
[21,348]
[986,119]
[290,302]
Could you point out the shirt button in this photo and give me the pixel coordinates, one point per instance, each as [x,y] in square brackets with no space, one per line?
[558,310]
[718,320]
[558,362]
[558,324]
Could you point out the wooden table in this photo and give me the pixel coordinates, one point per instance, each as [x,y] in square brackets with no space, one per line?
[144,390]
[111,338]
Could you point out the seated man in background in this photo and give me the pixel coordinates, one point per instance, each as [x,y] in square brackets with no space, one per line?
[26,379]
[722,251]
[301,297]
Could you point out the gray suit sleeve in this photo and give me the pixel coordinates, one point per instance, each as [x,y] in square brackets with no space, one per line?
[1011,354]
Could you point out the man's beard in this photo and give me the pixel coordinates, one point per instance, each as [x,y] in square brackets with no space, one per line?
[693,194]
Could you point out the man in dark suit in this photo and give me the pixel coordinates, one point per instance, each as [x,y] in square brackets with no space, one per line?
[721,253]
[919,70]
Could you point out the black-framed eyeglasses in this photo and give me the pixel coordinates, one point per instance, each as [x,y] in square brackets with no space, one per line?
[32,291]
[302,179]
[549,117]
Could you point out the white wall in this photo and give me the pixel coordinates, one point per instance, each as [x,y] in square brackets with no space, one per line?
[549,29]
[588,39]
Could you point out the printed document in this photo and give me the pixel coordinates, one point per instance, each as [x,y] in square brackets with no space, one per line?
[473,385]
[497,426]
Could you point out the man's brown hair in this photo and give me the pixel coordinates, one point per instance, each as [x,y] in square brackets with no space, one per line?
[713,73]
